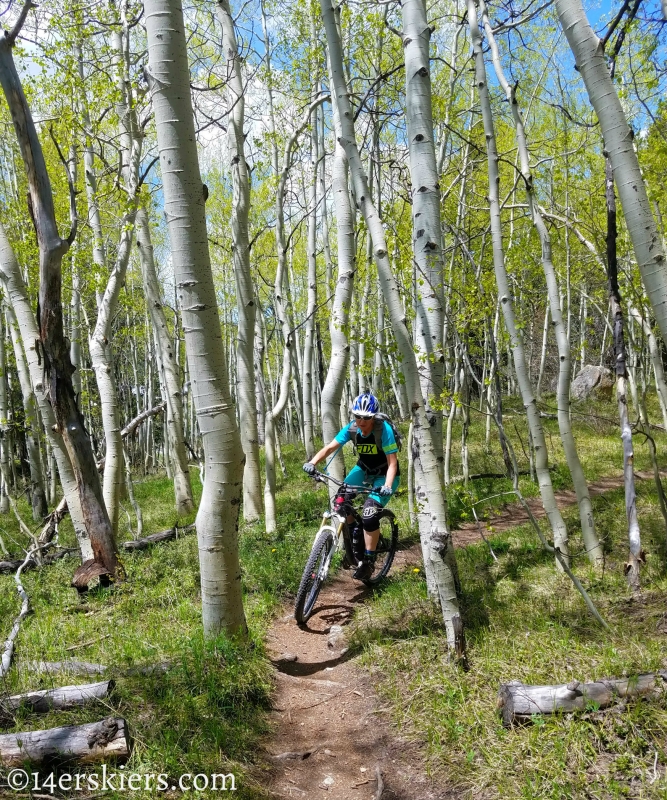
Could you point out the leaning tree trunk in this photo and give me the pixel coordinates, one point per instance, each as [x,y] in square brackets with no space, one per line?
[439,558]
[340,311]
[217,519]
[4,408]
[37,486]
[426,229]
[591,541]
[281,307]
[646,241]
[311,255]
[166,363]
[245,299]
[101,357]
[52,341]
[17,297]
[534,423]
[636,555]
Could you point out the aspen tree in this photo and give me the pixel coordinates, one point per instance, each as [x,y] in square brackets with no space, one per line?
[217,518]
[340,310]
[554,309]
[52,342]
[618,143]
[166,362]
[245,298]
[506,300]
[436,539]
[426,229]
[37,485]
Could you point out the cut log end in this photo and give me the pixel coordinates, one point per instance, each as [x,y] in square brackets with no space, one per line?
[87,572]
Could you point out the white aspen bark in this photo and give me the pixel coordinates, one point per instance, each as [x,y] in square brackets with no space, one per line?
[4,419]
[17,296]
[333,385]
[245,299]
[75,321]
[75,300]
[340,310]
[439,557]
[583,314]
[37,485]
[554,308]
[426,228]
[507,304]
[618,138]
[379,348]
[166,363]
[656,363]
[94,219]
[309,371]
[101,357]
[281,298]
[217,517]
[99,343]
[543,355]
[363,319]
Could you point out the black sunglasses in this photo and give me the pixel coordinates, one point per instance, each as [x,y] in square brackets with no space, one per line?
[356,416]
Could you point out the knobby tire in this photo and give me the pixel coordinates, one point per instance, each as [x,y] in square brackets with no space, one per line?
[386,547]
[311,582]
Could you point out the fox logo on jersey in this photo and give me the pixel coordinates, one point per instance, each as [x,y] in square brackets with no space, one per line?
[367,449]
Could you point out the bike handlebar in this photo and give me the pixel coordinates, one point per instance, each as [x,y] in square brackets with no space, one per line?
[322,477]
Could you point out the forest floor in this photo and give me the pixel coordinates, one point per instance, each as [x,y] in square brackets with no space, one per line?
[230,705]
[340,750]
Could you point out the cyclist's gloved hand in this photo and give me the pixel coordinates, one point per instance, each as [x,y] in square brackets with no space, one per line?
[309,469]
[384,491]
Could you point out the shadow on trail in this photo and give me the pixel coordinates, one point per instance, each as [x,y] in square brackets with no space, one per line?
[298,669]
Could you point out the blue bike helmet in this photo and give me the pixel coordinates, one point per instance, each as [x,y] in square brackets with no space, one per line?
[366,405]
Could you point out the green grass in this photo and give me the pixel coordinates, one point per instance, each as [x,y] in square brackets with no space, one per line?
[524,621]
[207,713]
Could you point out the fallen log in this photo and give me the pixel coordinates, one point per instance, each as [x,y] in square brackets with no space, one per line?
[69,667]
[518,702]
[83,744]
[64,697]
[12,566]
[154,538]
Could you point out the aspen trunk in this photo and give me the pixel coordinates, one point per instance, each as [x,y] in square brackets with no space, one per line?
[636,556]
[426,229]
[245,299]
[166,362]
[217,518]
[646,240]
[37,485]
[4,408]
[439,558]
[17,297]
[340,311]
[589,535]
[506,300]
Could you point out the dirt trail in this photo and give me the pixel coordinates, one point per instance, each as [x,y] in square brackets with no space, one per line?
[514,514]
[331,735]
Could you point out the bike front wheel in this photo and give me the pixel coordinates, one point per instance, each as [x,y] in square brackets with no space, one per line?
[314,575]
[386,547]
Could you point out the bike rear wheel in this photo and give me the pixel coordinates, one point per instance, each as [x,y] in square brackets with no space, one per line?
[314,575]
[386,547]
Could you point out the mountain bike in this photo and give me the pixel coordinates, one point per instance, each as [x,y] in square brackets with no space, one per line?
[334,536]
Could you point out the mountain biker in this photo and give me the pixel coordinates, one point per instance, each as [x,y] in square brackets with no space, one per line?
[377,466]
